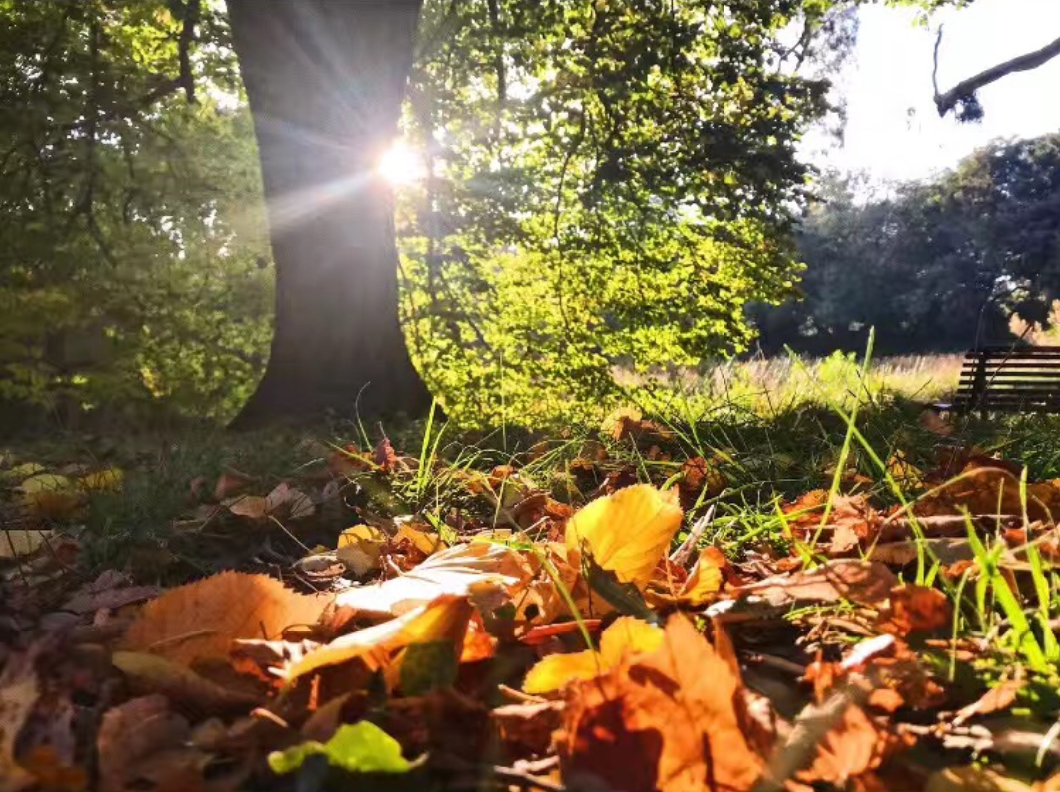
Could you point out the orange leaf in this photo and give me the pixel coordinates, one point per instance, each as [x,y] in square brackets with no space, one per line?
[667,721]
[201,620]
[626,637]
[917,609]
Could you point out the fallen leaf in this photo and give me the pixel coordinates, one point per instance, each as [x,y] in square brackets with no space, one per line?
[21,472]
[201,620]
[130,735]
[867,583]
[626,637]
[360,549]
[916,609]
[49,496]
[422,538]
[700,587]
[18,693]
[667,721]
[283,501]
[526,729]
[18,543]
[627,533]
[851,748]
[444,620]
[461,570]
[359,748]
[108,480]
[229,483]
[148,673]
[1000,697]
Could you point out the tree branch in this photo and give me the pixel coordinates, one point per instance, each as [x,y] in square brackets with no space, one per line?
[947,101]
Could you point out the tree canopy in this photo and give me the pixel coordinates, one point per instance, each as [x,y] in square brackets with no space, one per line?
[609,184]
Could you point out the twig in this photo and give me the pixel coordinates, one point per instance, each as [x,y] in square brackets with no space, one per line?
[681,555]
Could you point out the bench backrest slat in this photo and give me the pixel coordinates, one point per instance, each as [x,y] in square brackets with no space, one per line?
[1003,379]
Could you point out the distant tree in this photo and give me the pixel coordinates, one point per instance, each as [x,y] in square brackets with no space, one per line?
[938,266]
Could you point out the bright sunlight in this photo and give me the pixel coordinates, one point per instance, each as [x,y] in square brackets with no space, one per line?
[401,164]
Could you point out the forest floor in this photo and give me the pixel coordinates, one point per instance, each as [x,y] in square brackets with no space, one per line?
[820,599]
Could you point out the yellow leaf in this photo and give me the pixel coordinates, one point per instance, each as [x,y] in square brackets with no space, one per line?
[427,542]
[626,637]
[704,581]
[444,619]
[50,496]
[629,532]
[109,480]
[21,472]
[360,548]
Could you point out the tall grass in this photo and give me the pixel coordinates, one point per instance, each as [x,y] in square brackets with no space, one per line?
[766,387]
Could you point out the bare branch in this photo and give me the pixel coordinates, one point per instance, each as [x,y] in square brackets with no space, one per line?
[947,101]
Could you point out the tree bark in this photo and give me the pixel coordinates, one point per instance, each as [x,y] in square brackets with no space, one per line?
[325,80]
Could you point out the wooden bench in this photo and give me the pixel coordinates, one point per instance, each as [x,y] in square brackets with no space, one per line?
[1010,379]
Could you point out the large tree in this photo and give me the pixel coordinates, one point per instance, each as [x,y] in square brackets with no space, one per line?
[325,81]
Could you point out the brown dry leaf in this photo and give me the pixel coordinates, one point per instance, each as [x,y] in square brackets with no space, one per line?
[1000,697]
[201,620]
[851,520]
[526,729]
[622,422]
[17,543]
[916,609]
[625,638]
[283,501]
[866,583]
[131,738]
[476,568]
[668,721]
[850,749]
[148,673]
[989,486]
[444,620]
[629,532]
[229,483]
[18,693]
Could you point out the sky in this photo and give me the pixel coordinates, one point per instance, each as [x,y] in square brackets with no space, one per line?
[893,130]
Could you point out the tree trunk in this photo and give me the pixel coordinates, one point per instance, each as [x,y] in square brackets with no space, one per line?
[325,80]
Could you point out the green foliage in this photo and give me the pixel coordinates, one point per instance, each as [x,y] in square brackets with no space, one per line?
[359,748]
[610,183]
[132,235]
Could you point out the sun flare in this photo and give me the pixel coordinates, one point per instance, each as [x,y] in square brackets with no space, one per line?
[401,164]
